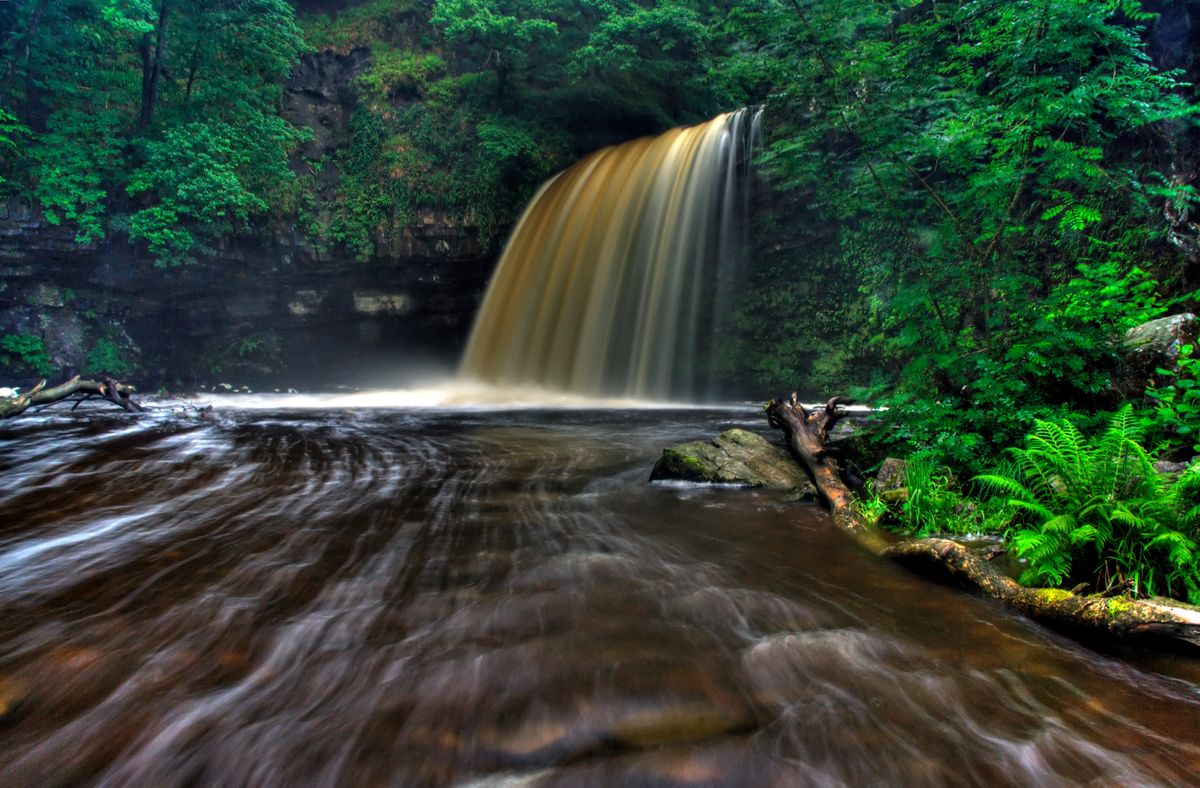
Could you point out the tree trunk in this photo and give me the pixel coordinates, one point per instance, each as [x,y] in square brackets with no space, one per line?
[152,64]
[23,52]
[807,431]
[1153,622]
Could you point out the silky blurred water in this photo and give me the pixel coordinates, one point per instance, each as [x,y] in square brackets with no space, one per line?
[476,596]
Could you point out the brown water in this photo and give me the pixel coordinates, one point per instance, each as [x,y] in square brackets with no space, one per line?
[435,597]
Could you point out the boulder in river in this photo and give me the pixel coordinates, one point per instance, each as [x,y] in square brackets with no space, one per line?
[734,457]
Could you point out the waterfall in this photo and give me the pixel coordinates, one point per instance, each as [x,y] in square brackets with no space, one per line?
[618,276]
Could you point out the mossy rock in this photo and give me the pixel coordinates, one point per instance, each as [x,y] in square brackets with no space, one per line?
[1159,340]
[892,477]
[734,457]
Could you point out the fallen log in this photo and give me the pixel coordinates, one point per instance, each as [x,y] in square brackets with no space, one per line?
[1148,622]
[118,394]
[1151,622]
[807,431]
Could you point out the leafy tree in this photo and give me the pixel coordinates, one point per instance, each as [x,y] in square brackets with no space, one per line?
[495,34]
[126,97]
[218,156]
[982,177]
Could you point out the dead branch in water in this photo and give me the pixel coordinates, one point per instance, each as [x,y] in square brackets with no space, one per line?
[118,394]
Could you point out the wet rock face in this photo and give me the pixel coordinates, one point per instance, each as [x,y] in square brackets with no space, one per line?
[258,312]
[734,457]
[321,95]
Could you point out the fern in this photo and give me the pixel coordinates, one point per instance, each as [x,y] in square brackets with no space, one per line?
[1098,511]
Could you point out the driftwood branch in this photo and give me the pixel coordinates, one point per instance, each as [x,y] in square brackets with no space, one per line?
[118,394]
[807,431]
[1157,622]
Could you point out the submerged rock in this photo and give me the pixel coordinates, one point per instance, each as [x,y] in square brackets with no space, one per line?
[734,457]
[554,736]
[13,700]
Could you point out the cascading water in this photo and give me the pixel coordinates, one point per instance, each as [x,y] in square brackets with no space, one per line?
[618,276]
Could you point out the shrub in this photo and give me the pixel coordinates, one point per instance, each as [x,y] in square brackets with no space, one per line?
[105,358]
[26,350]
[1174,420]
[931,502]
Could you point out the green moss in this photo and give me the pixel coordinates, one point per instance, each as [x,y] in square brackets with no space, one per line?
[361,25]
[1052,595]
[683,463]
[1118,606]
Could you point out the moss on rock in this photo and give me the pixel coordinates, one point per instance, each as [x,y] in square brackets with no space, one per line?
[734,457]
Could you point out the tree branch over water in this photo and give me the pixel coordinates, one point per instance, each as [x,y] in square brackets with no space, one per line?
[119,394]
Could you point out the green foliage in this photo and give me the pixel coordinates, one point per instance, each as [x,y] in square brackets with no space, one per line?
[495,33]
[71,165]
[476,177]
[457,117]
[26,350]
[931,502]
[869,506]
[1053,356]
[361,25]
[257,352]
[364,206]
[1174,418]
[979,211]
[931,505]
[396,71]
[210,181]
[208,153]
[11,132]
[106,358]
[1097,511]
[455,114]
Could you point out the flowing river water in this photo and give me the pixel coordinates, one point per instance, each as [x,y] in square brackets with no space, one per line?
[439,596]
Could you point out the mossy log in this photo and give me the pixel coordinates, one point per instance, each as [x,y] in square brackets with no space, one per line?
[118,394]
[1153,622]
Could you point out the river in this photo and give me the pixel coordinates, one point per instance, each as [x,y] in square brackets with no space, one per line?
[430,596]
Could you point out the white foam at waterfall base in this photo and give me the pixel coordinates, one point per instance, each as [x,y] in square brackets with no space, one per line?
[465,394]
[456,394]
